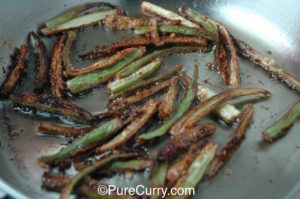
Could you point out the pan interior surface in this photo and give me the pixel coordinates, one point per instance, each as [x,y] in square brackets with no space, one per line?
[258,170]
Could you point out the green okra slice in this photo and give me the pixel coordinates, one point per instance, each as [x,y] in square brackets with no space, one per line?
[197,170]
[69,19]
[87,81]
[169,28]
[182,108]
[121,84]
[66,191]
[88,140]
[280,127]
[134,66]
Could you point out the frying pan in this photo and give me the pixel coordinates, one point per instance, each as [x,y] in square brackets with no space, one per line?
[258,170]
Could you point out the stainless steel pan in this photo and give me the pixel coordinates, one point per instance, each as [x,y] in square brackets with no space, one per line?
[257,170]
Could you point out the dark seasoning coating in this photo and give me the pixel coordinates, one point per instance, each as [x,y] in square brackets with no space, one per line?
[187,143]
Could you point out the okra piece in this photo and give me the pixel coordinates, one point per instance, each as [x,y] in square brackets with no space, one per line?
[185,140]
[66,191]
[56,77]
[66,16]
[154,32]
[101,64]
[50,104]
[90,80]
[88,187]
[122,84]
[144,83]
[85,142]
[180,167]
[182,108]
[14,75]
[221,61]
[226,112]
[280,127]
[146,41]
[209,105]
[152,9]
[121,103]
[123,22]
[148,111]
[41,78]
[166,107]
[197,170]
[47,128]
[205,22]
[134,66]
[66,54]
[268,64]
[233,144]
[158,174]
[170,28]
[211,26]
[130,165]
[71,20]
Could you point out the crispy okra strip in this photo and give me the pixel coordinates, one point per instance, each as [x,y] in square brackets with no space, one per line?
[50,104]
[166,107]
[170,28]
[123,22]
[47,128]
[134,66]
[85,142]
[145,41]
[197,169]
[185,140]
[66,16]
[154,32]
[121,103]
[120,85]
[56,77]
[120,166]
[234,77]
[66,54]
[88,187]
[182,108]
[226,112]
[14,75]
[268,64]
[233,144]
[221,61]
[148,111]
[280,127]
[102,63]
[144,83]
[66,191]
[152,9]
[211,26]
[87,81]
[130,165]
[158,174]
[41,78]
[205,22]
[180,167]
[209,105]
[71,20]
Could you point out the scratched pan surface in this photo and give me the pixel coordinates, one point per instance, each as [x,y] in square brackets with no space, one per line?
[257,170]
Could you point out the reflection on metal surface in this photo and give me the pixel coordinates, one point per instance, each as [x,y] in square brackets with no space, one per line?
[256,24]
